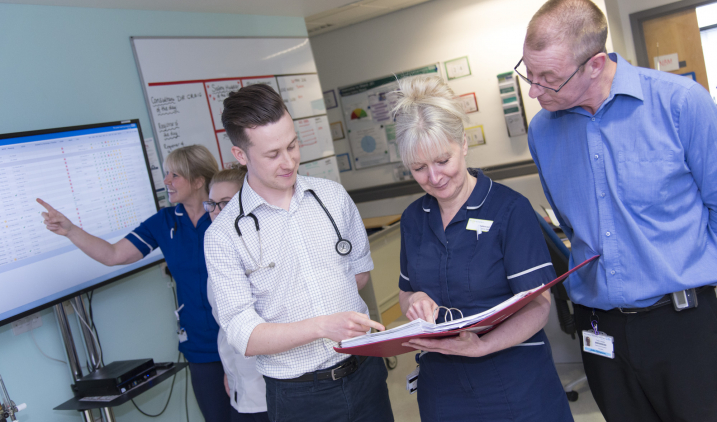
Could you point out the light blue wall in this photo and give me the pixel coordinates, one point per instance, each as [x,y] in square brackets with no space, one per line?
[62,66]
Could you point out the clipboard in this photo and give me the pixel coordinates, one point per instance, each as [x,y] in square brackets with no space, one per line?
[393,346]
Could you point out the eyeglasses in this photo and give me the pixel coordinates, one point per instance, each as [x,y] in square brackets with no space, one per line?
[209,206]
[556,90]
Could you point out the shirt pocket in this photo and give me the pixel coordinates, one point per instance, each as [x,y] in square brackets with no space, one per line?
[265,281]
[257,258]
[644,176]
[425,258]
[487,282]
[329,262]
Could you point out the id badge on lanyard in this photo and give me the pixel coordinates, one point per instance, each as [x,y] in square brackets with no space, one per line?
[597,342]
[181,333]
[412,378]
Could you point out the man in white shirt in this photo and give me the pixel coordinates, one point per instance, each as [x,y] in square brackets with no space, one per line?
[245,386]
[285,280]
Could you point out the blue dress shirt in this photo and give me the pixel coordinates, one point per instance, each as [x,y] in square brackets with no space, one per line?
[636,183]
[183,247]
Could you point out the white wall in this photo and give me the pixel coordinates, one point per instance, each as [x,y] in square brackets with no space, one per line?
[489,32]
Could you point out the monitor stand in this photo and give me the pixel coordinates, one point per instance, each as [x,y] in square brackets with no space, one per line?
[71,350]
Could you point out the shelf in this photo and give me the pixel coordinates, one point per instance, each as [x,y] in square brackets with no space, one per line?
[162,375]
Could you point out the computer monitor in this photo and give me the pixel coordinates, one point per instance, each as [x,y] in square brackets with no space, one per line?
[99,177]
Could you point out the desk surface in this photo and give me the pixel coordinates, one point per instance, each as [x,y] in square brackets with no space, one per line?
[378,222]
[162,374]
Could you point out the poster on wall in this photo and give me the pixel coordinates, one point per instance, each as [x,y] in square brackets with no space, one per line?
[458,68]
[367,112]
[326,168]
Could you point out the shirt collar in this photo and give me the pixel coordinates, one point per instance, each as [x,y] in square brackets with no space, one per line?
[625,82]
[252,200]
[179,210]
[477,198]
[181,213]
[481,190]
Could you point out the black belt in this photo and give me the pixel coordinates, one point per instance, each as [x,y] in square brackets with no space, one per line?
[342,369]
[664,300]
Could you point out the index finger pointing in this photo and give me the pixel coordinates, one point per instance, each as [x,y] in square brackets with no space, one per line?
[429,311]
[373,324]
[47,206]
[366,321]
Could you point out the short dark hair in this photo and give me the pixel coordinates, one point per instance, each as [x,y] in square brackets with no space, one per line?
[250,107]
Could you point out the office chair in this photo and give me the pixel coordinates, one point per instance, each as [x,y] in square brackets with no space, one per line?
[559,255]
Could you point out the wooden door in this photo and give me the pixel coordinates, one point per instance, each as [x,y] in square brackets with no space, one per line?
[677,33]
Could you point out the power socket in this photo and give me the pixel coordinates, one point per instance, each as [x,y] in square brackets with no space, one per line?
[26,324]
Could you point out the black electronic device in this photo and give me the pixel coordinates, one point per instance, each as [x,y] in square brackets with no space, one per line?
[116,378]
[684,299]
[164,365]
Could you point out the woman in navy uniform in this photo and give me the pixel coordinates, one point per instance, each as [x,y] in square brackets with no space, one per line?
[179,232]
[470,244]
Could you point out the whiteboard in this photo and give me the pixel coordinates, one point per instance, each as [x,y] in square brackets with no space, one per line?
[185,81]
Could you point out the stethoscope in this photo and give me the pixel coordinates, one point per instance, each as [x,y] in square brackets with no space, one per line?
[343,246]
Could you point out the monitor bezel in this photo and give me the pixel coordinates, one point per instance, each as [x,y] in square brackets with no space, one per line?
[82,291]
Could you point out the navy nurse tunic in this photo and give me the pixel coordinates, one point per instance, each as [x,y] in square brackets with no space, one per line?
[183,247]
[474,271]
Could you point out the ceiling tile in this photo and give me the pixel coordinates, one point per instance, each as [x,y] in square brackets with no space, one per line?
[354,13]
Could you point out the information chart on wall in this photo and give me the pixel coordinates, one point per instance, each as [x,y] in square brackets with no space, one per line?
[325,168]
[189,112]
[186,81]
[367,111]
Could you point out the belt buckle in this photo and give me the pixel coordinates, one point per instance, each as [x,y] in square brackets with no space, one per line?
[346,365]
[625,312]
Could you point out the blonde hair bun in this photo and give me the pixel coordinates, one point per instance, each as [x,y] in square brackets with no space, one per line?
[427,116]
[427,90]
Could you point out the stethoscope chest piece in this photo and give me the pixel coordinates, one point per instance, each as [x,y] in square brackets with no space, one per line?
[343,247]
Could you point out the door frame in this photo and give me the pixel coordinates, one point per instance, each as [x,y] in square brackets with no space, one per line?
[637,18]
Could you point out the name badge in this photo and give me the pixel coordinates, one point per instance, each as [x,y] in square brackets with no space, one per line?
[182,335]
[599,344]
[479,226]
[412,381]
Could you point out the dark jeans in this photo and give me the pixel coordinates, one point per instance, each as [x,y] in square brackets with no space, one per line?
[208,385]
[665,365]
[359,397]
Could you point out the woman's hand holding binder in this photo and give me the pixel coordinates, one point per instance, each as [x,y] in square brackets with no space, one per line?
[464,344]
[519,327]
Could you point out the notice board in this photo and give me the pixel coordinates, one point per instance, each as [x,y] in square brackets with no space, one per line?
[367,112]
[185,81]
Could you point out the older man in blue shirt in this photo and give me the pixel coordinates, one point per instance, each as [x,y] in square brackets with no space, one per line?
[628,160]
